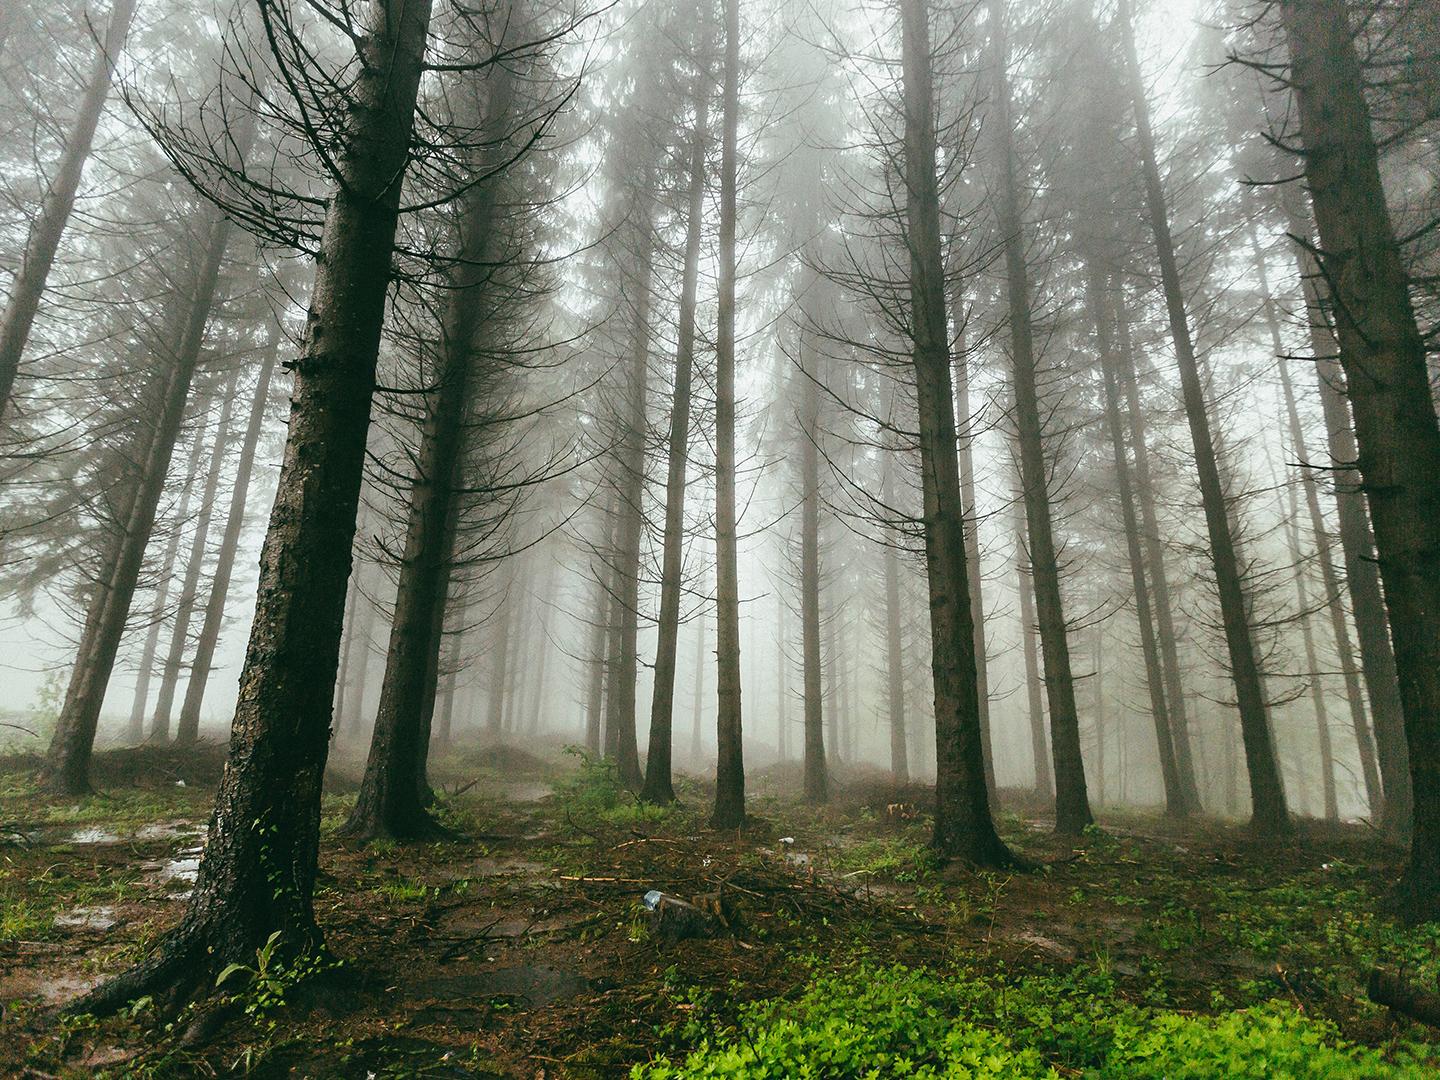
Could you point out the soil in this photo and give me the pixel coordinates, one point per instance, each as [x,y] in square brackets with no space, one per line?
[524,950]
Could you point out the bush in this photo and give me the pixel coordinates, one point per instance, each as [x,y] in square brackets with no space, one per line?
[882,1022]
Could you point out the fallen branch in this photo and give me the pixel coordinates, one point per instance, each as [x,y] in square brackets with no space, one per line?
[1389,988]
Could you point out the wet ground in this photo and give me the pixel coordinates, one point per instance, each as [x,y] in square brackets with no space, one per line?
[525,949]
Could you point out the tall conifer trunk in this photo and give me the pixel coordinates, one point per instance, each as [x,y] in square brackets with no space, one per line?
[963,825]
[1269,816]
[257,874]
[730,766]
[1072,803]
[1384,358]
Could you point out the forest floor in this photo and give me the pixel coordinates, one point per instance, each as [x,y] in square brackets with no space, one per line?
[524,950]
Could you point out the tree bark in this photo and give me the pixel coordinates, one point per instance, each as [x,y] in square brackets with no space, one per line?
[1383,355]
[658,787]
[963,826]
[972,545]
[1269,816]
[47,228]
[257,873]
[209,640]
[1072,804]
[394,793]
[1334,603]
[194,568]
[1362,573]
[1035,706]
[730,763]
[1176,803]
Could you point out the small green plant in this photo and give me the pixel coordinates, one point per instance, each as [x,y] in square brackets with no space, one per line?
[270,978]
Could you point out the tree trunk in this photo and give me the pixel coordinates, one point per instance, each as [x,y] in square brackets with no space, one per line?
[189,725]
[1072,804]
[1383,356]
[620,720]
[600,632]
[1176,803]
[48,226]
[393,793]
[816,766]
[257,874]
[698,702]
[194,567]
[1334,603]
[782,689]
[1312,661]
[67,766]
[963,826]
[1159,579]
[1362,574]
[964,424]
[1035,706]
[500,666]
[1269,816]
[894,649]
[659,759]
[136,728]
[730,753]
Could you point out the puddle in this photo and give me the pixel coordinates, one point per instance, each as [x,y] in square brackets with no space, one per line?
[528,985]
[170,830]
[92,835]
[51,989]
[87,918]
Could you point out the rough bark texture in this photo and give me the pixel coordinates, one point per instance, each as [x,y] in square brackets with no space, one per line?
[48,226]
[67,763]
[659,759]
[1383,355]
[963,826]
[189,724]
[1072,803]
[1175,800]
[730,764]
[393,793]
[1269,816]
[257,874]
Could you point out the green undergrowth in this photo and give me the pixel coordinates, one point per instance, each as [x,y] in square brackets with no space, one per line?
[872,1021]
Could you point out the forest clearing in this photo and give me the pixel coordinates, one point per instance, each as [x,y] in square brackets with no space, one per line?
[720,538]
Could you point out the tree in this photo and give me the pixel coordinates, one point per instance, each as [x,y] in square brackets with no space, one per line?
[1072,804]
[48,226]
[729,810]
[1269,816]
[658,787]
[257,874]
[963,826]
[1383,357]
